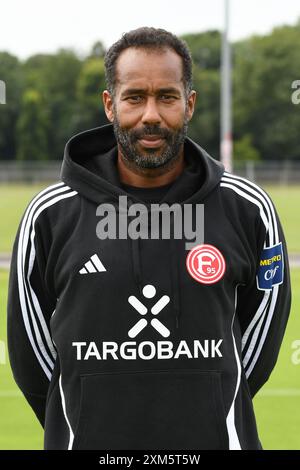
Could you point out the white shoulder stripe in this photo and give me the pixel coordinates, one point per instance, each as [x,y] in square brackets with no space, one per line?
[258,190]
[260,198]
[28,299]
[251,199]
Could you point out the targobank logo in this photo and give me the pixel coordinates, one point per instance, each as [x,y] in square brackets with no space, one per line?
[271,266]
[147,350]
[149,292]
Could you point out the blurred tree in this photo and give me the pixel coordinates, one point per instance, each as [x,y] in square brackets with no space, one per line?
[90,84]
[55,78]
[205,48]
[32,128]
[204,126]
[11,73]
[244,150]
[97,51]
[264,69]
[69,89]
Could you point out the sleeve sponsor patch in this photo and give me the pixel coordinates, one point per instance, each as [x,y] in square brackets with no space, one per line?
[270,270]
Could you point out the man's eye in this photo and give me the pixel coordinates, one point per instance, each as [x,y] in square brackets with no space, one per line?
[167,97]
[134,99]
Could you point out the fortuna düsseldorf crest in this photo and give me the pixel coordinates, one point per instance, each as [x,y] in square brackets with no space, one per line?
[206,264]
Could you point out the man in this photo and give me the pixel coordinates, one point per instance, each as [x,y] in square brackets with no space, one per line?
[121,341]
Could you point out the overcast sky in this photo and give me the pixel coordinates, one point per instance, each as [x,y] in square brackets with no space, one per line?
[31,26]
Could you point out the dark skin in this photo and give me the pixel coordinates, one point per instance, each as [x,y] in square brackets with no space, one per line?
[149,90]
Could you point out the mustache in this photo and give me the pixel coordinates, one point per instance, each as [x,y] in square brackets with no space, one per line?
[150,130]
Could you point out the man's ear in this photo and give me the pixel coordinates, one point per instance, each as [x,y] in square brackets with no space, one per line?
[108,105]
[191,104]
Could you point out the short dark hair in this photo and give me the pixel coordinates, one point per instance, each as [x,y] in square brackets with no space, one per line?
[148,38]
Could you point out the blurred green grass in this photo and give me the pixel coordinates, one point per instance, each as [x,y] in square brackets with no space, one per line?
[278,416]
[14,198]
[19,429]
[286,200]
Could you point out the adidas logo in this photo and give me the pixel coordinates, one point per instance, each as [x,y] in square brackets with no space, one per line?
[94,265]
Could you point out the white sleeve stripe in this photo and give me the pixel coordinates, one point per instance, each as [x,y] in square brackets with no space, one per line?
[256,317]
[22,289]
[38,310]
[265,331]
[63,403]
[234,442]
[35,301]
[27,306]
[24,244]
[255,335]
[44,327]
[264,310]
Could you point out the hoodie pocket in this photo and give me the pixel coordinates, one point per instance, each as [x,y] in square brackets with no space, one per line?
[161,409]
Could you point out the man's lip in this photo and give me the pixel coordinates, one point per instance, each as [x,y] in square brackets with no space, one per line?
[151,137]
[151,140]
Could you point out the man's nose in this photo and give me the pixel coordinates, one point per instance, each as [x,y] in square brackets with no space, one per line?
[151,113]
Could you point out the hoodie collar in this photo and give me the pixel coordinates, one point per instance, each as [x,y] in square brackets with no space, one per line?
[96,149]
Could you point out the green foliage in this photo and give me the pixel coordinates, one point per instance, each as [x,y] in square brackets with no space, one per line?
[55,77]
[205,126]
[244,150]
[32,128]
[90,84]
[264,69]
[98,50]
[69,88]
[205,49]
[12,74]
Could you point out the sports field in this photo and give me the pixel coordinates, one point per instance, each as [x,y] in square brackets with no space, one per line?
[277,405]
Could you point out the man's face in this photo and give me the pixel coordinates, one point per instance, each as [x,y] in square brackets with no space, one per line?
[150,109]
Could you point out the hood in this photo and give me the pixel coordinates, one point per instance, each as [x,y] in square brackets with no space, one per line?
[90,167]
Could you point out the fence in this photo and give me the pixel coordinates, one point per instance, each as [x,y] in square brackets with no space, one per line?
[29,171]
[270,172]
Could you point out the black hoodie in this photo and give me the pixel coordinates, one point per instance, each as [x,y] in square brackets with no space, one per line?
[140,343]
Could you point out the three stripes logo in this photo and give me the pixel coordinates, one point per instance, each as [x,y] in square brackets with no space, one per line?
[94,265]
[149,292]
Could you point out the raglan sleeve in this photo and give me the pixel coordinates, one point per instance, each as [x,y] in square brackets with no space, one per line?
[30,305]
[263,306]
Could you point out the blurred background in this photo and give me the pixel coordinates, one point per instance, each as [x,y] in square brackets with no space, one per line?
[51,80]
